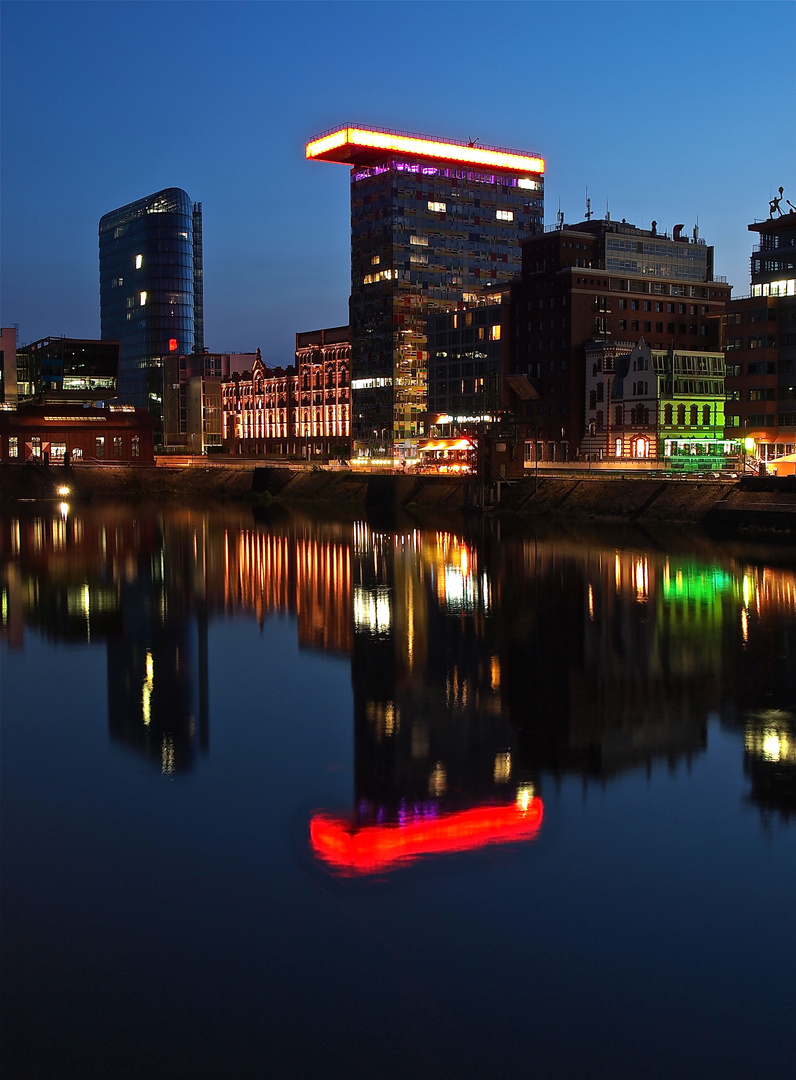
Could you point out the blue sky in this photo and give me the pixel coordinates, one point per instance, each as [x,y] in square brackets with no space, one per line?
[673,111]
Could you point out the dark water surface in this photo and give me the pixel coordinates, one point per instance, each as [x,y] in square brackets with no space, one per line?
[290,797]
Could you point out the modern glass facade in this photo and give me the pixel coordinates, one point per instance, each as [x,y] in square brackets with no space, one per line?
[434,225]
[150,259]
[465,361]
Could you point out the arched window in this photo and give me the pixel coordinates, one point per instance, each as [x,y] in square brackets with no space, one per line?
[681,415]
[619,415]
[592,399]
[706,416]
[694,416]
[667,415]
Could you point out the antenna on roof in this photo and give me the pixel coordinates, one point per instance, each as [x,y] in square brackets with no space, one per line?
[696,229]
[588,205]
[560,217]
[607,213]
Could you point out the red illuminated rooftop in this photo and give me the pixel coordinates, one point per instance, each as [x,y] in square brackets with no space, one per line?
[354,145]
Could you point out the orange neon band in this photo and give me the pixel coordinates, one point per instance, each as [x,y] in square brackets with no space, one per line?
[420,147]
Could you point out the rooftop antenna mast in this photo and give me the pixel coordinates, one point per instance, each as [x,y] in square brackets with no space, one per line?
[588,206]
[559,217]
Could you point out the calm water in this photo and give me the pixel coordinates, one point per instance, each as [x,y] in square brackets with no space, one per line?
[291,797]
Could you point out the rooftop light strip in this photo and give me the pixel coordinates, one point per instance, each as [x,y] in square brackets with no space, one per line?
[425,148]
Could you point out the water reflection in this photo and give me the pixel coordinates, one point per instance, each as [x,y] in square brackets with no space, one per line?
[479,667]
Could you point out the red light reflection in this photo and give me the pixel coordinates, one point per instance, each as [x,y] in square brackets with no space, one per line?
[374,848]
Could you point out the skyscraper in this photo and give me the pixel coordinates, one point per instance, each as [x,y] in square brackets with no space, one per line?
[434,223]
[150,261]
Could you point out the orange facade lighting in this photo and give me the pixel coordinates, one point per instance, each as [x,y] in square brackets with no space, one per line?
[355,146]
[376,848]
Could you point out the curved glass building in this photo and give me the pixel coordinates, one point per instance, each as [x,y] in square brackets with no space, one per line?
[150,263]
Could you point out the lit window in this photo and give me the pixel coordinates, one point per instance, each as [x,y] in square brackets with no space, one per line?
[139,261]
[504,215]
[142,298]
[437,207]
[374,260]
[494,333]
[13,446]
[523,182]
[419,241]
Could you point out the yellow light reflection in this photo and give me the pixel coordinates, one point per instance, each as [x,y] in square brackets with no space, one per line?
[525,796]
[502,770]
[167,756]
[438,781]
[146,689]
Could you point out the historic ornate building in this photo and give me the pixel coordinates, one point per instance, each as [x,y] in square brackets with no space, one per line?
[299,411]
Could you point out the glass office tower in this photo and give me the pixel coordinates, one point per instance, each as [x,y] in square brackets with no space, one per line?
[150,260]
[434,224]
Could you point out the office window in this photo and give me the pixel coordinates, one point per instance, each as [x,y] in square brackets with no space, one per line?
[117,446]
[99,446]
[13,446]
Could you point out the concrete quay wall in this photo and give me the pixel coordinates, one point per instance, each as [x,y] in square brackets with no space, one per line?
[765,502]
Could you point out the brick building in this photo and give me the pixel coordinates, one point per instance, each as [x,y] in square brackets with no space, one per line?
[759,339]
[606,281]
[302,411]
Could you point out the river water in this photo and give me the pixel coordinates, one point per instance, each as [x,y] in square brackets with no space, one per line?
[288,796]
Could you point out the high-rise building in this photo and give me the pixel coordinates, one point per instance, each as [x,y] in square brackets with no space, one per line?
[759,338]
[434,224]
[150,261]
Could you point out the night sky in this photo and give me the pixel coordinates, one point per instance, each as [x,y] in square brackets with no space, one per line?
[671,111]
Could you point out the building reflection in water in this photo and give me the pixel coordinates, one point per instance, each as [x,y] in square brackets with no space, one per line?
[479,669]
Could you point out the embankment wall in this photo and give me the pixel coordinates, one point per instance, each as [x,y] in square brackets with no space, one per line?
[768,502]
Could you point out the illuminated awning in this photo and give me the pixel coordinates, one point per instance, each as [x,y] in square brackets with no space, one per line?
[375,848]
[366,146]
[445,444]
